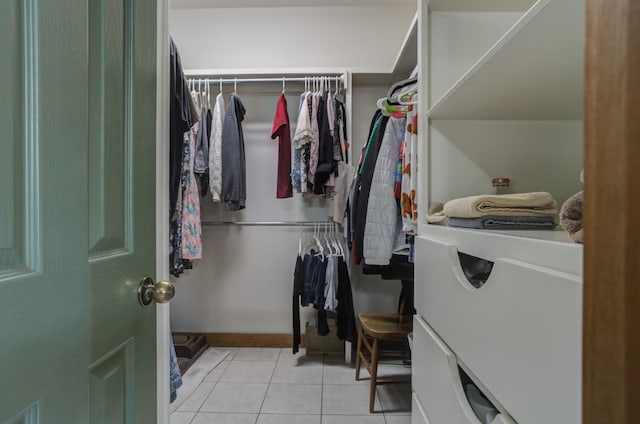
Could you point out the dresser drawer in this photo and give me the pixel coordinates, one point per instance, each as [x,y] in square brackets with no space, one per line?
[436,382]
[519,333]
[417,413]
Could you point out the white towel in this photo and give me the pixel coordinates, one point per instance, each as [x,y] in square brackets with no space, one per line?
[521,204]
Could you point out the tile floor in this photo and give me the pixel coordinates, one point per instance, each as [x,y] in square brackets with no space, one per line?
[272,386]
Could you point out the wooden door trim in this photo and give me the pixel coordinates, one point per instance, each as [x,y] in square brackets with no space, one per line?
[611,346]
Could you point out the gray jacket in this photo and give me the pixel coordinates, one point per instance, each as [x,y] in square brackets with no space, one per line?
[234,172]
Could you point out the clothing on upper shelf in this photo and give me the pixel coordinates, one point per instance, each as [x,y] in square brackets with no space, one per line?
[284,188]
[234,173]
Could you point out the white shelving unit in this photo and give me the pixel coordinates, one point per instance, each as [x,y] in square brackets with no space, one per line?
[529,74]
[501,96]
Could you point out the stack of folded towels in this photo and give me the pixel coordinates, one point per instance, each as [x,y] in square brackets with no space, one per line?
[522,211]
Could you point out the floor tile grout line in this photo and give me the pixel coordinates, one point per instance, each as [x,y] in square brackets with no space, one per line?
[322,390]
[268,386]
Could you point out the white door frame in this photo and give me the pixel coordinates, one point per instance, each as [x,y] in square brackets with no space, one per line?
[162,202]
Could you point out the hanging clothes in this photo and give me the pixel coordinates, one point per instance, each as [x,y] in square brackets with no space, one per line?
[175,377]
[215,151]
[181,120]
[201,159]
[383,226]
[409,202]
[362,186]
[191,224]
[325,164]
[346,317]
[234,172]
[302,139]
[314,147]
[298,291]
[284,188]
[323,281]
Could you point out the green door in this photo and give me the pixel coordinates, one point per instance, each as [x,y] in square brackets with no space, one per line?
[77,211]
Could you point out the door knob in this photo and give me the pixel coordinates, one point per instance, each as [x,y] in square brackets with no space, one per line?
[161,292]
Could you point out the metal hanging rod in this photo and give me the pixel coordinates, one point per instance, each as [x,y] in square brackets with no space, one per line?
[212,80]
[268,223]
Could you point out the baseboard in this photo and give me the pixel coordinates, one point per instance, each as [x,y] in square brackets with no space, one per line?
[251,340]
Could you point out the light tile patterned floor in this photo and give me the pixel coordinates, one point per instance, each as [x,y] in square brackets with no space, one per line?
[272,386]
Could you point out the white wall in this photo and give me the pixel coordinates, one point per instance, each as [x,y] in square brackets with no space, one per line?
[355,38]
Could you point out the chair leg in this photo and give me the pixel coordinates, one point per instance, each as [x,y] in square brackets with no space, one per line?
[358,350]
[374,375]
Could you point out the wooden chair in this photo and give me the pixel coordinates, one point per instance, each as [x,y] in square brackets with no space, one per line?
[376,329]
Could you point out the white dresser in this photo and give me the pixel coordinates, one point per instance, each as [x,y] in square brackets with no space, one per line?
[501,95]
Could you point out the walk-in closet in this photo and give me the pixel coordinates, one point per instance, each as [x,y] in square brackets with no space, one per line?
[238,296]
[440,218]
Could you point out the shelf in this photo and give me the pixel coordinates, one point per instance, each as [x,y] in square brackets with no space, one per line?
[479,6]
[407,58]
[534,72]
[552,249]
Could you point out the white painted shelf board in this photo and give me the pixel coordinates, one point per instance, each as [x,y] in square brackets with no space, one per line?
[276,72]
[407,58]
[551,248]
[217,4]
[534,72]
[479,5]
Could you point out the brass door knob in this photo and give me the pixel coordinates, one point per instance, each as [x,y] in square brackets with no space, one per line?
[161,292]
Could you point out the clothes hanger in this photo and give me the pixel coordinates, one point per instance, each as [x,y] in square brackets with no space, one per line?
[400,84]
[235,85]
[282,85]
[338,240]
[315,237]
[208,93]
[410,97]
[220,85]
[333,239]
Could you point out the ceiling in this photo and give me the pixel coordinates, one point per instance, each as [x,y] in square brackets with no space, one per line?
[209,4]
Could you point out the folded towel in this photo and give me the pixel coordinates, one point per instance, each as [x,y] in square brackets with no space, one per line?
[505,222]
[571,217]
[435,215]
[521,204]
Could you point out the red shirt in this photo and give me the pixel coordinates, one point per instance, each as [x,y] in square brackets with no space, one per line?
[281,129]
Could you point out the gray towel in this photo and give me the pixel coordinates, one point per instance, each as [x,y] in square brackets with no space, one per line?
[504,222]
[571,217]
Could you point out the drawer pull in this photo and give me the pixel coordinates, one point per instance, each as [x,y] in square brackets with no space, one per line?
[476,270]
[482,407]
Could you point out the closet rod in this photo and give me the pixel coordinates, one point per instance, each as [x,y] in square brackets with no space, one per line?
[268,223]
[253,80]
